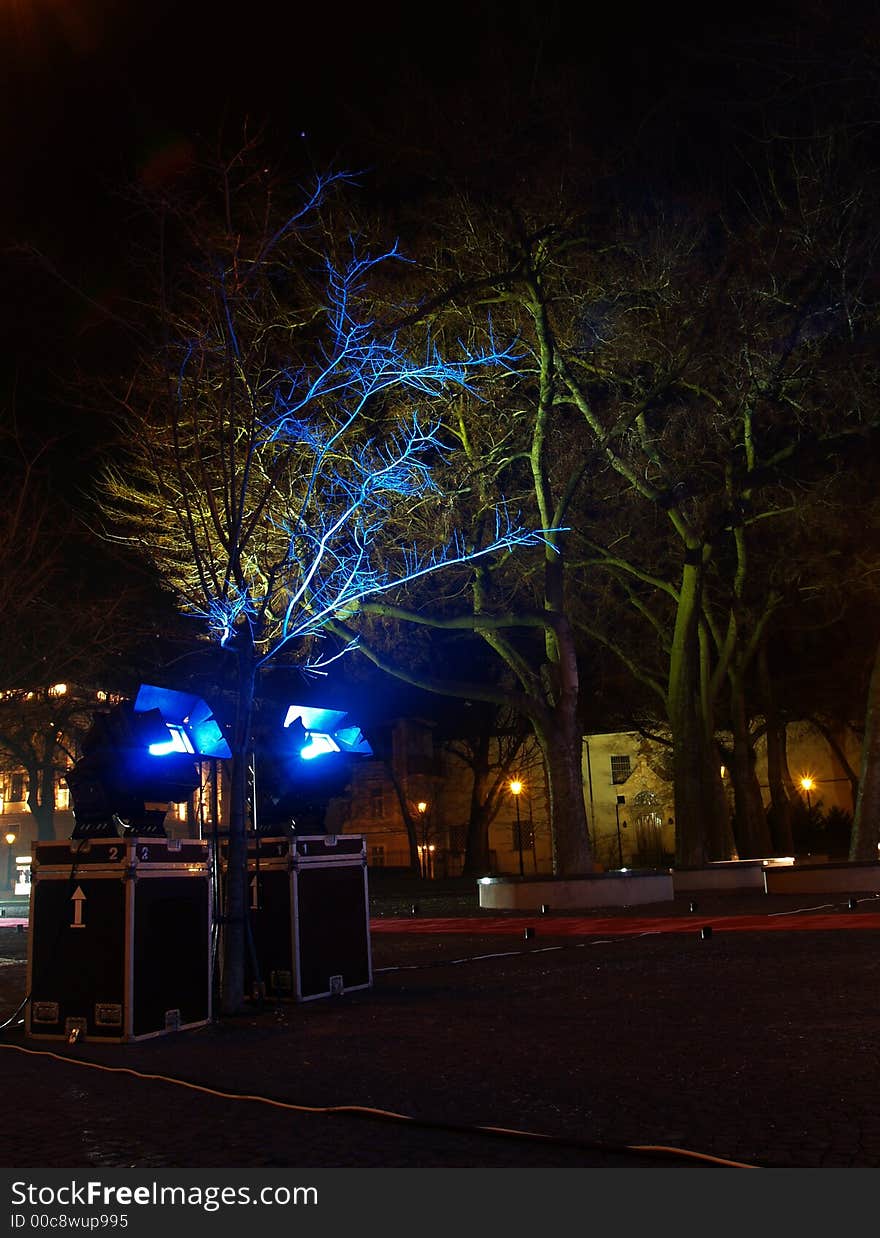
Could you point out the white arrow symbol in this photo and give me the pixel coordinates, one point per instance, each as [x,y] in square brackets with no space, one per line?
[255,905]
[78,899]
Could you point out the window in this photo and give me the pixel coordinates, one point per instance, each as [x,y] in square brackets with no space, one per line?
[377,803]
[377,856]
[16,788]
[620,769]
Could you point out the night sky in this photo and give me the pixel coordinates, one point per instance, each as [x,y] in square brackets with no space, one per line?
[100,94]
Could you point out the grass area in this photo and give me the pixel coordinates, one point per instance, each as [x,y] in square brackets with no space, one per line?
[396,892]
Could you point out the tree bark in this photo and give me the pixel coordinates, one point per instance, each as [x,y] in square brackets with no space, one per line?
[779,811]
[684,721]
[235,930]
[866,823]
[42,803]
[750,821]
[476,855]
[560,741]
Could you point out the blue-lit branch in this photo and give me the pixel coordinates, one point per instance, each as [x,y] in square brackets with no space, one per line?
[354,479]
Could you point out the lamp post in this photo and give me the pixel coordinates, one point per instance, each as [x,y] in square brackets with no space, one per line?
[617,819]
[422,807]
[516,790]
[807,785]
[10,840]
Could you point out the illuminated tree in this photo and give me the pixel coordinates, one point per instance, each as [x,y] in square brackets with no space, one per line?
[273,458]
[688,378]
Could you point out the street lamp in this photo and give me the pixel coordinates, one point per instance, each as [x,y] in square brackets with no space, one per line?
[422,807]
[807,785]
[516,790]
[10,839]
[620,800]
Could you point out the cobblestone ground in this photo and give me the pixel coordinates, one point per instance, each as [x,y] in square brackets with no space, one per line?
[747,1047]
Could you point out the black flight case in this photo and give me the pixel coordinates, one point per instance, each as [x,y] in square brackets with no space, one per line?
[310,914]
[119,945]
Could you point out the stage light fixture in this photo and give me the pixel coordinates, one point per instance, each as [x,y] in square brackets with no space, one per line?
[138,758]
[324,732]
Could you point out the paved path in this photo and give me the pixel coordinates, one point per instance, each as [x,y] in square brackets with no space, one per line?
[595,1043]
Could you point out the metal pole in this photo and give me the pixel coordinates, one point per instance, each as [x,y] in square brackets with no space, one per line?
[619,847]
[519,838]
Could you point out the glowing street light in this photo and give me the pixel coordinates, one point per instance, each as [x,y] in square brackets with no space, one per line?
[516,791]
[10,839]
[807,785]
[426,855]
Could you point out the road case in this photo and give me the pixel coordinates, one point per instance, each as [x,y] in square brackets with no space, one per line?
[119,945]
[310,914]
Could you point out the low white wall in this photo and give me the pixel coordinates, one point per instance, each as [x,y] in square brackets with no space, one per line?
[737,875]
[562,893]
[822,879]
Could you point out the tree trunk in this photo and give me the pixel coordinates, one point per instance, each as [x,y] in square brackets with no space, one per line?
[684,722]
[235,930]
[750,823]
[866,823]
[719,830]
[560,742]
[558,733]
[476,854]
[837,748]
[720,843]
[42,803]
[779,812]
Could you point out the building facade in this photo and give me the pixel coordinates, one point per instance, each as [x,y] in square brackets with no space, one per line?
[414,800]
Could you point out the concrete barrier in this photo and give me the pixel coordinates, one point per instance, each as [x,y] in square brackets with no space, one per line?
[726,875]
[614,889]
[842,878]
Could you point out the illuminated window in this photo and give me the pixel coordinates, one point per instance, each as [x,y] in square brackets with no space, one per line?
[377,856]
[58,689]
[62,797]
[620,769]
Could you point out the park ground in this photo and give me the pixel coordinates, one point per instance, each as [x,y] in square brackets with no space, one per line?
[738,1030]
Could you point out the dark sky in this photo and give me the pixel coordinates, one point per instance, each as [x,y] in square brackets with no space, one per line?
[95,94]
[99,92]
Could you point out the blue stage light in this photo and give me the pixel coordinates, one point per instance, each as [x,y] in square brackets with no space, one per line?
[318,745]
[187,715]
[179,741]
[323,732]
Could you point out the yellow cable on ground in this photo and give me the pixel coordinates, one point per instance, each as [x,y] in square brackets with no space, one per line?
[367,1111]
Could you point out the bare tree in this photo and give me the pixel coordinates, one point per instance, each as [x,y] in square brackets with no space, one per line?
[265,469]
